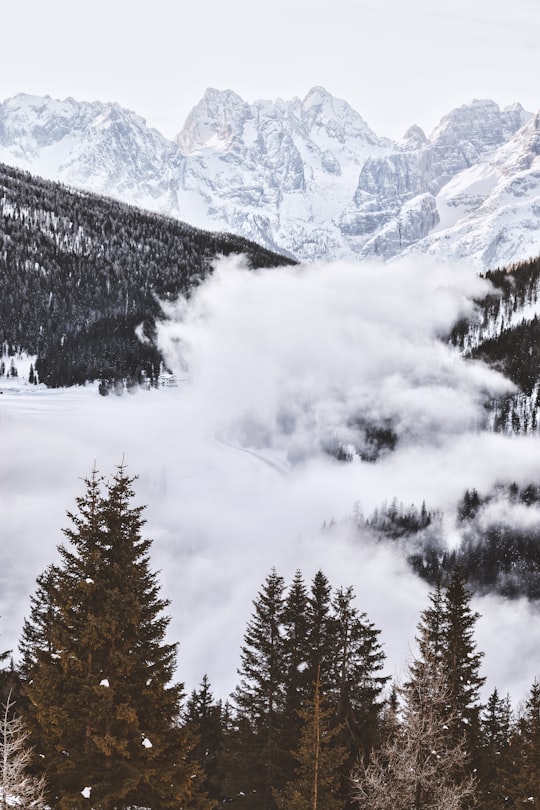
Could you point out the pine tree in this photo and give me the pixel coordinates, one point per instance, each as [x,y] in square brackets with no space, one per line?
[446,635]
[461,661]
[297,686]
[204,716]
[102,710]
[357,682]
[256,758]
[527,746]
[320,758]
[320,640]
[17,786]
[431,638]
[497,773]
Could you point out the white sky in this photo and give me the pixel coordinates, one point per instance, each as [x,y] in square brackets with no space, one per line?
[396,63]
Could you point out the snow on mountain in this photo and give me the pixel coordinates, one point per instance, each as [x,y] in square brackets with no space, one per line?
[490,213]
[98,147]
[308,177]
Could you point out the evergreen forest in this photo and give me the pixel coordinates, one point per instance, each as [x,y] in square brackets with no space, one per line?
[81,273]
[94,716]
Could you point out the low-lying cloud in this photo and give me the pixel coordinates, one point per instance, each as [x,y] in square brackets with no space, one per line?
[297,356]
[273,367]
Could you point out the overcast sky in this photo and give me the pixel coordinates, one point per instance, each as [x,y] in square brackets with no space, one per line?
[396,63]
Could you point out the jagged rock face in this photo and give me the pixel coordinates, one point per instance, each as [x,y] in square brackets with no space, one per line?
[98,147]
[306,176]
[491,212]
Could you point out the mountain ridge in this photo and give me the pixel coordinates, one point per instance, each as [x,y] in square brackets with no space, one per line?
[307,176]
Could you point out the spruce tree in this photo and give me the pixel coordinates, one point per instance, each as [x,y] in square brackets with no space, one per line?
[461,661]
[320,639]
[297,686]
[256,758]
[204,716]
[527,746]
[103,711]
[356,679]
[446,636]
[497,773]
[320,758]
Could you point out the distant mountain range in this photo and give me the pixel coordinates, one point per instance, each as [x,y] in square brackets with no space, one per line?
[306,177]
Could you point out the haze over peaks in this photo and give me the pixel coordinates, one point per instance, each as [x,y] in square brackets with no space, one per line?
[306,176]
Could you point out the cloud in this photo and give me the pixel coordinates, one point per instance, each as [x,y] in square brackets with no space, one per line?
[272,364]
[297,356]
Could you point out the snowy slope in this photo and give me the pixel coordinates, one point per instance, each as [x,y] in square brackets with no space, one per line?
[492,210]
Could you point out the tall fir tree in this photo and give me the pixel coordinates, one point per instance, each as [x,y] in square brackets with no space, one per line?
[497,771]
[527,750]
[319,639]
[297,687]
[205,717]
[461,662]
[256,757]
[102,708]
[316,783]
[356,675]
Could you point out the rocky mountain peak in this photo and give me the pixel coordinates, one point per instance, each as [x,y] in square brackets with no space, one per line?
[414,138]
[307,176]
[320,110]
[214,121]
[477,126]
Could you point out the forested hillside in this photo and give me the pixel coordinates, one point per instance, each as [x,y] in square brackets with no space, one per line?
[79,273]
[506,335]
[499,531]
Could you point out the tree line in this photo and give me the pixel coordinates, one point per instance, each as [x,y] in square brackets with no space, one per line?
[490,335]
[93,716]
[499,549]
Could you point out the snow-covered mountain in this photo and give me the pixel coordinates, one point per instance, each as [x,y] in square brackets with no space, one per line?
[308,177]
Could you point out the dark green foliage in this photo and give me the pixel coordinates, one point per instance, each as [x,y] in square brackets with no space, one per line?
[499,555]
[79,272]
[423,762]
[516,352]
[527,750]
[204,717]
[496,553]
[497,771]
[355,676]
[461,661]
[260,700]
[319,637]
[396,521]
[446,642]
[319,759]
[296,639]
[297,677]
[101,707]
[512,349]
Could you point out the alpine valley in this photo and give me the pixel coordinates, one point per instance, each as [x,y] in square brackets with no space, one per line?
[305,177]
[319,349]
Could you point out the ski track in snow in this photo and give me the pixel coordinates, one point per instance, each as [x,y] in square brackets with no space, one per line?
[282,468]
